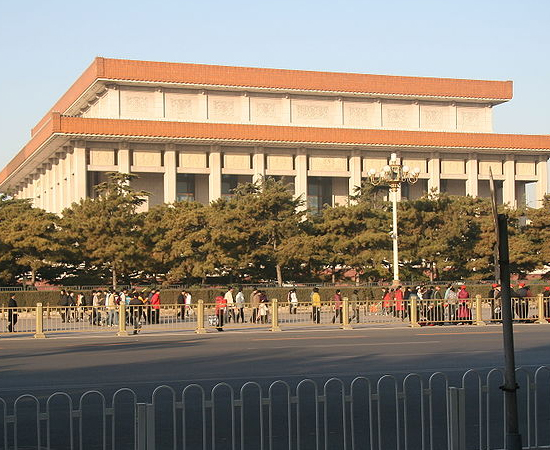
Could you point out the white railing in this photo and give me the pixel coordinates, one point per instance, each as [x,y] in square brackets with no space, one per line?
[415,412]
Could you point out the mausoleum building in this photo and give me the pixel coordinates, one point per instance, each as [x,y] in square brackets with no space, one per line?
[193,132]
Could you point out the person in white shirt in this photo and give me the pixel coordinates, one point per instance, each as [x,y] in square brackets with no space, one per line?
[293,301]
[230,305]
[187,301]
[239,300]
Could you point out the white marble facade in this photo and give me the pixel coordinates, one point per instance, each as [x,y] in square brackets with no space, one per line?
[190,105]
[71,174]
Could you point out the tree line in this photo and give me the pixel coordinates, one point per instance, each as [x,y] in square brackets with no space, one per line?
[260,233]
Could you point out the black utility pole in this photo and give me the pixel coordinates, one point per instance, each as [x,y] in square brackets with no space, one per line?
[510,387]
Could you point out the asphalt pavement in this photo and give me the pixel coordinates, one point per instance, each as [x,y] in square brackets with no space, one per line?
[81,362]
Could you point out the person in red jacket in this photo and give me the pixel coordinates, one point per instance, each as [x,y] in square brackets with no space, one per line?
[337,299]
[463,313]
[221,306]
[155,304]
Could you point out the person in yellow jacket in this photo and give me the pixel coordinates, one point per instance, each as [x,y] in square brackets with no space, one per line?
[316,305]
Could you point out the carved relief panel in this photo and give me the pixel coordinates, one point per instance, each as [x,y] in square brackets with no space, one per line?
[236,161]
[182,106]
[450,166]
[434,116]
[313,112]
[525,167]
[398,115]
[279,162]
[268,110]
[328,163]
[471,118]
[224,108]
[362,114]
[138,104]
[146,158]
[100,157]
[487,165]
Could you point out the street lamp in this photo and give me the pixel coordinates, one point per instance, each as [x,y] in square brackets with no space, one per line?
[393,175]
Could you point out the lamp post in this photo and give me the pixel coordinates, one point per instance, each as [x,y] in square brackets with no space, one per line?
[393,175]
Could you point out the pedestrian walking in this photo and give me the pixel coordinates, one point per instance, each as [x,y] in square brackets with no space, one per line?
[337,299]
[292,301]
[135,306]
[354,303]
[523,294]
[180,301]
[221,306]
[254,304]
[315,305]
[64,303]
[239,304]
[230,304]
[155,307]
[12,313]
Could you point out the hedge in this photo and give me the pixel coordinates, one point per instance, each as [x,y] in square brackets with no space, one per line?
[169,296]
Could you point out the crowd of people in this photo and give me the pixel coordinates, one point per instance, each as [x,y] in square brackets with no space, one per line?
[435,306]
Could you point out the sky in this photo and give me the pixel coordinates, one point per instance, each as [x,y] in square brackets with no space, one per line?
[45,46]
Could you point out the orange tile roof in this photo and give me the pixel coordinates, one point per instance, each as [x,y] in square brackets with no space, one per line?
[281,79]
[92,128]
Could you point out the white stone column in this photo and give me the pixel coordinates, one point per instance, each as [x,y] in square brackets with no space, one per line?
[287,109]
[124,162]
[300,184]
[434,170]
[509,185]
[258,164]
[39,188]
[70,197]
[542,180]
[47,186]
[215,178]
[54,206]
[452,116]
[415,115]
[170,171]
[378,113]
[80,170]
[245,107]
[203,106]
[339,120]
[354,171]
[472,174]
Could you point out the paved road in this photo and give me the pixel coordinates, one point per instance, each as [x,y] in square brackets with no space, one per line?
[79,363]
[83,362]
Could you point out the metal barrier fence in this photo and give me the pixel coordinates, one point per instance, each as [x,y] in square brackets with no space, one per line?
[274,315]
[415,412]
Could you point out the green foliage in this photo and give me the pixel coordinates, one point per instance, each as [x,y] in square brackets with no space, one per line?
[261,233]
[106,231]
[28,240]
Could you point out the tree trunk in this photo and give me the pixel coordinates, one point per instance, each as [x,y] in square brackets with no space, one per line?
[279,275]
[333,277]
[113,271]
[33,277]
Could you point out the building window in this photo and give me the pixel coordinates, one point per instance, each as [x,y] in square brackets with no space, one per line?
[185,187]
[288,182]
[229,184]
[319,193]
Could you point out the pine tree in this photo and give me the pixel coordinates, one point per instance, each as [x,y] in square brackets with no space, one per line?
[28,239]
[106,231]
